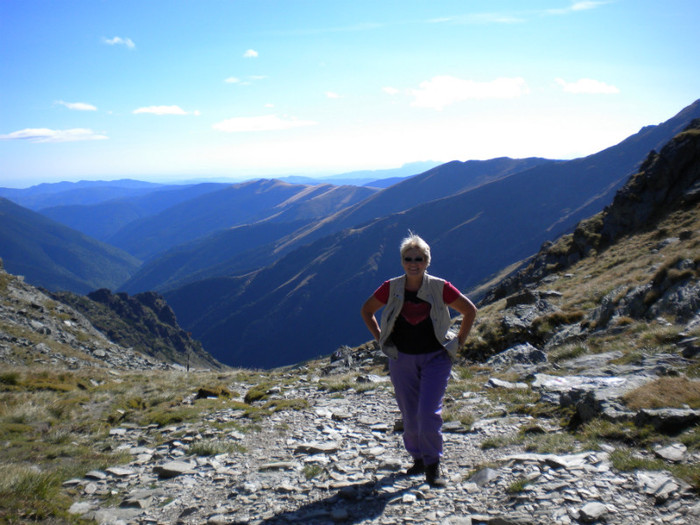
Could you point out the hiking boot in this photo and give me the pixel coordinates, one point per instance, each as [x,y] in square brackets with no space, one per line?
[434,477]
[417,468]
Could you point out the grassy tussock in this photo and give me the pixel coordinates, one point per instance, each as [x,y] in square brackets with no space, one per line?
[665,392]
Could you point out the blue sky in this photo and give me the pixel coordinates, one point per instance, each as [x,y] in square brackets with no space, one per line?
[169,90]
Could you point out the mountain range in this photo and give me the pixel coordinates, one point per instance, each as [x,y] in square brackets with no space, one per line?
[305,302]
[266,273]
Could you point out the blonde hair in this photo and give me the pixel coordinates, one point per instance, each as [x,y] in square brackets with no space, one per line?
[414,241]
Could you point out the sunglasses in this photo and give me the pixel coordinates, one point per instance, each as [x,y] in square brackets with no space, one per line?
[413,259]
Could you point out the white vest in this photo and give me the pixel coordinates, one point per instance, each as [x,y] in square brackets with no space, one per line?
[430,291]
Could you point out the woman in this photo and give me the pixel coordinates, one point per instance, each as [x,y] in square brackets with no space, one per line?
[414,333]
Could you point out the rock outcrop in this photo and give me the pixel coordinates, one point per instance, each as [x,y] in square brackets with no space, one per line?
[144,322]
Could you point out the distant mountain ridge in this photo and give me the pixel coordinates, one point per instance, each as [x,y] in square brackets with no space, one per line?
[366,177]
[82,192]
[307,300]
[234,205]
[104,219]
[229,256]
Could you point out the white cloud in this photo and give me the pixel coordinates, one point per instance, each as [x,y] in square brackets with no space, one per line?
[77,106]
[53,135]
[251,79]
[261,123]
[332,94]
[250,53]
[390,90]
[576,6]
[165,110]
[584,6]
[442,91]
[587,86]
[119,41]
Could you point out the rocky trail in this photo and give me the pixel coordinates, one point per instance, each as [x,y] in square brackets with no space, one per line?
[340,460]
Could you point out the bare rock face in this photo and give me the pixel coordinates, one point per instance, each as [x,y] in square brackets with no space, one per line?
[663,180]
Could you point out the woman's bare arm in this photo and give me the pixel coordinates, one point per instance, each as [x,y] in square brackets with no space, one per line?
[465,307]
[368,310]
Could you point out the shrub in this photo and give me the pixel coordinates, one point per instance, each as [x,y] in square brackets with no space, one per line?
[215,391]
[9,378]
[500,442]
[258,393]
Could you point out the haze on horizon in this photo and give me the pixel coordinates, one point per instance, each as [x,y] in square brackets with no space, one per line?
[165,90]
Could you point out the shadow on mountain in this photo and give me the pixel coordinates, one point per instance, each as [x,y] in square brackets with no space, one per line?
[351,504]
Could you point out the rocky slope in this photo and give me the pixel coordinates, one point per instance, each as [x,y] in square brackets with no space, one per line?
[38,328]
[340,461]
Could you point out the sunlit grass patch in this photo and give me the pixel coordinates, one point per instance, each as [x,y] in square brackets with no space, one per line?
[456,413]
[259,392]
[552,443]
[336,386]
[665,392]
[517,398]
[627,460]
[35,493]
[689,473]
[501,441]
[566,352]
[28,494]
[627,433]
[277,405]
[32,380]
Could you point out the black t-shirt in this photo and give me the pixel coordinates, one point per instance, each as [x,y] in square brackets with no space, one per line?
[413,330]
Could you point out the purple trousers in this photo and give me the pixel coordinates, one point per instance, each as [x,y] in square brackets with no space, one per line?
[419,383]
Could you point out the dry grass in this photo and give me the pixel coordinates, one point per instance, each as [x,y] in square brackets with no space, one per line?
[632,261]
[665,392]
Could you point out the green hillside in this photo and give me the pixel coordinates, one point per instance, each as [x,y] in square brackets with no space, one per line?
[56,257]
